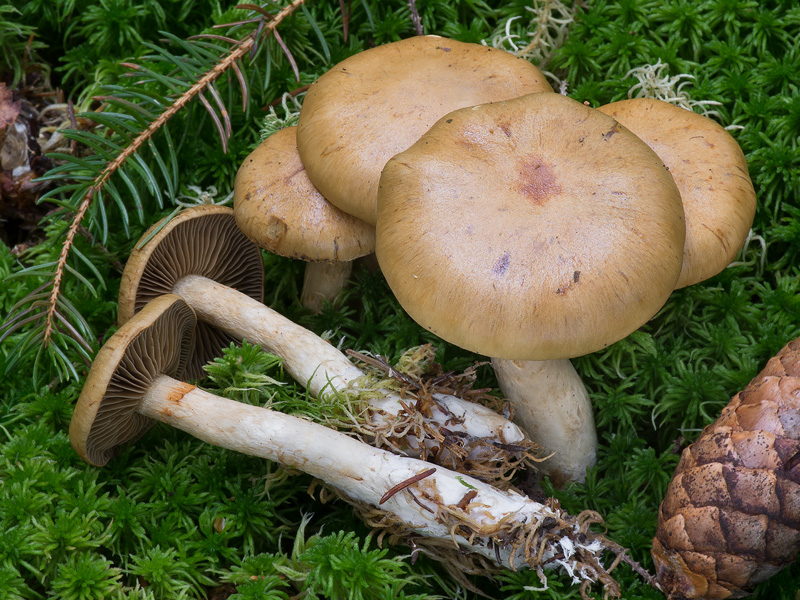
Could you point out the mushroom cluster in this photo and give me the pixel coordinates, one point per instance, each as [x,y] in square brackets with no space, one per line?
[139,378]
[513,221]
[507,219]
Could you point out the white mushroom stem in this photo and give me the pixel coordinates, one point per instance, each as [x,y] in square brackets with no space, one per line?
[322,282]
[553,407]
[432,506]
[318,365]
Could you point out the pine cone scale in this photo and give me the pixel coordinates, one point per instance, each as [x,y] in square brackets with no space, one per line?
[745,535]
[706,485]
[789,497]
[756,450]
[716,447]
[753,491]
[735,569]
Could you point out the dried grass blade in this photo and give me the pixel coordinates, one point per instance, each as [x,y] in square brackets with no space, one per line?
[15,324]
[217,123]
[346,20]
[288,54]
[212,89]
[74,334]
[256,8]
[242,84]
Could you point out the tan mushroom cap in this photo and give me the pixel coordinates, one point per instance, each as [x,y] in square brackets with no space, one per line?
[531,229]
[710,170]
[378,102]
[202,240]
[278,207]
[158,340]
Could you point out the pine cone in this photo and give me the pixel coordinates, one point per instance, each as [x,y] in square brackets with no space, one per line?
[731,515]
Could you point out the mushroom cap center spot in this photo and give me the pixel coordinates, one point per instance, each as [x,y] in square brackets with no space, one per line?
[537,181]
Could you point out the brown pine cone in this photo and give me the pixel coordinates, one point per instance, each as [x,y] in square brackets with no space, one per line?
[731,515]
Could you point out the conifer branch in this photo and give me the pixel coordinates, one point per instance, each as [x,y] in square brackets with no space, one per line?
[49,316]
[242,49]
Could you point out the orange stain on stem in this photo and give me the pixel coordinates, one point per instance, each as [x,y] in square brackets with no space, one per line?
[178,391]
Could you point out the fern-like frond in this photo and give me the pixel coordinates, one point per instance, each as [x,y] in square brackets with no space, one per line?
[127,164]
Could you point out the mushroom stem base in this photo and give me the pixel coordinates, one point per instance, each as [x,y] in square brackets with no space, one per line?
[553,407]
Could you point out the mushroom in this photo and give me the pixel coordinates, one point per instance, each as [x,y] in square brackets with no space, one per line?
[278,207]
[531,230]
[187,254]
[204,240]
[710,170]
[377,103]
[135,381]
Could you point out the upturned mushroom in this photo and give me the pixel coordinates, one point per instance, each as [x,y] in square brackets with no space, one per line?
[377,103]
[710,171]
[533,229]
[203,240]
[135,381]
[186,255]
[278,207]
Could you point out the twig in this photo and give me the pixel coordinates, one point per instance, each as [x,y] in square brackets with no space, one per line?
[292,94]
[381,364]
[73,145]
[415,18]
[345,19]
[622,556]
[404,484]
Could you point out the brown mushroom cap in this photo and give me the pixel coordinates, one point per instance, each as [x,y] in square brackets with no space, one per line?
[202,240]
[531,229]
[158,340]
[378,102]
[278,207]
[710,170]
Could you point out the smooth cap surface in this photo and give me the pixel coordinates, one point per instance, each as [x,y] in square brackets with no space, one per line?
[202,240]
[378,102]
[157,341]
[278,207]
[530,229]
[710,170]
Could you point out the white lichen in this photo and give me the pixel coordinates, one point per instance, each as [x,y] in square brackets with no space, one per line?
[746,257]
[197,196]
[286,115]
[536,35]
[654,81]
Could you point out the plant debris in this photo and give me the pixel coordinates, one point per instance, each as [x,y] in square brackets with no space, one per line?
[420,381]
